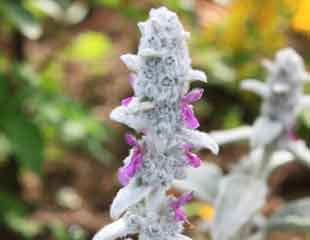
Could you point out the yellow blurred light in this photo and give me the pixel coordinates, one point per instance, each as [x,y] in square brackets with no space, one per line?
[292,4]
[207,212]
[301,19]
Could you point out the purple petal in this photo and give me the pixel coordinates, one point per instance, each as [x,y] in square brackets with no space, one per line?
[125,173]
[177,204]
[187,147]
[137,160]
[186,197]
[189,117]
[292,135]
[126,101]
[123,176]
[180,215]
[193,96]
[131,140]
[193,159]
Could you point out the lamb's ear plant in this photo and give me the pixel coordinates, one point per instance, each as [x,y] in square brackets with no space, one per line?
[283,100]
[161,111]
[238,197]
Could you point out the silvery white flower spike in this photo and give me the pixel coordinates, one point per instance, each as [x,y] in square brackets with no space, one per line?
[283,98]
[161,111]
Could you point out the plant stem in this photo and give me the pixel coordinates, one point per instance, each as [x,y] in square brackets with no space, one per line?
[267,154]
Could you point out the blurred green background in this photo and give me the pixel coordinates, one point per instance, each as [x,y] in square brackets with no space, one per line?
[60,76]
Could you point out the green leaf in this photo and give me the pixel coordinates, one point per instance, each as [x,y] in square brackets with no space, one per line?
[4,89]
[303,129]
[26,227]
[90,46]
[59,231]
[295,216]
[10,204]
[22,19]
[25,139]
[109,3]
[178,5]
[233,118]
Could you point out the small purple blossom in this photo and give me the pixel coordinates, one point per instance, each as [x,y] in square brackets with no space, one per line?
[192,158]
[193,96]
[292,135]
[126,172]
[131,140]
[187,109]
[177,204]
[126,101]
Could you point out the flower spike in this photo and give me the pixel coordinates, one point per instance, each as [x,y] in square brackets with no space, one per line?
[162,111]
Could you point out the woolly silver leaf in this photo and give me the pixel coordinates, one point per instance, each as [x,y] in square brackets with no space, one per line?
[113,231]
[231,135]
[239,198]
[204,181]
[200,140]
[128,196]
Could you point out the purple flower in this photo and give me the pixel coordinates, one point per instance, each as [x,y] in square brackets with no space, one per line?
[292,135]
[192,158]
[177,204]
[126,172]
[187,109]
[126,101]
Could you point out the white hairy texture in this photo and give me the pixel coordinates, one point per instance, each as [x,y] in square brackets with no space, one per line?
[130,115]
[285,86]
[155,223]
[182,237]
[131,61]
[305,101]
[126,197]
[262,126]
[251,163]
[255,86]
[232,135]
[204,181]
[163,70]
[163,73]
[162,162]
[199,140]
[282,99]
[113,231]
[239,198]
